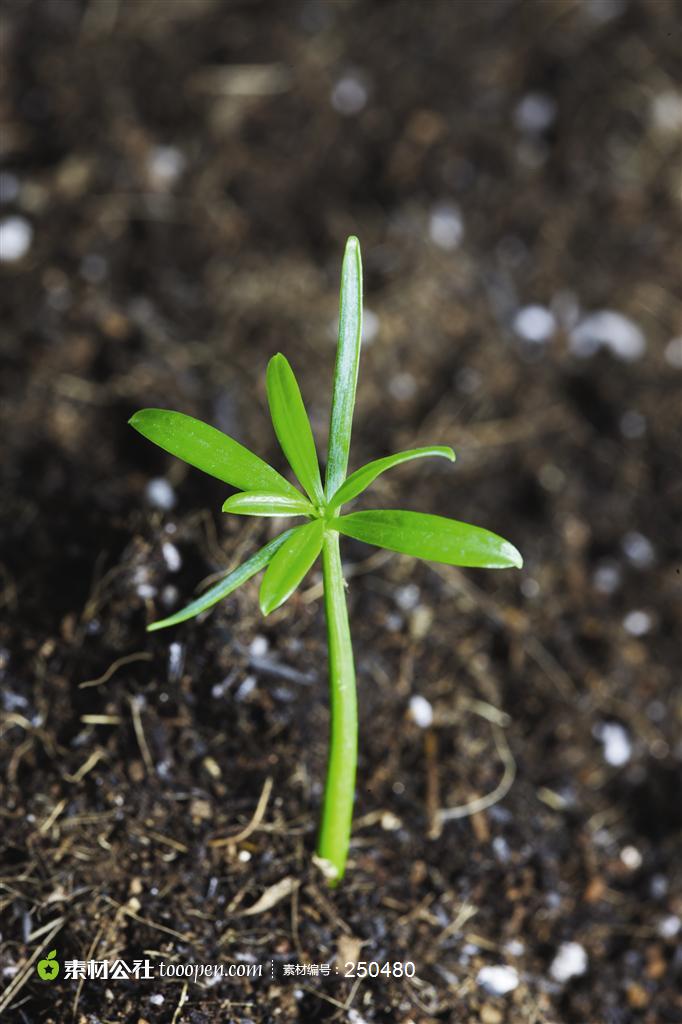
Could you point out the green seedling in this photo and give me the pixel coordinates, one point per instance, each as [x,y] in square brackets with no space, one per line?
[289,557]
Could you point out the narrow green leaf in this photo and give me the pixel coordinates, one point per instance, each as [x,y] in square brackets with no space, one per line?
[208,449]
[358,481]
[346,369]
[260,503]
[290,565]
[434,538]
[292,425]
[225,586]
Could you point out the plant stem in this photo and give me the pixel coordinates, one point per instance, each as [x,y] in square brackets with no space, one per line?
[337,812]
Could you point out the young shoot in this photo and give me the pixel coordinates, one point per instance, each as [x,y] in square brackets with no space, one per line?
[262,491]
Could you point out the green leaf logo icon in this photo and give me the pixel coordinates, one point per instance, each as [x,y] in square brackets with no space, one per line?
[48,969]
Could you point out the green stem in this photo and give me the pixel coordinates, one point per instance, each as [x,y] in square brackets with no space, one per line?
[337,813]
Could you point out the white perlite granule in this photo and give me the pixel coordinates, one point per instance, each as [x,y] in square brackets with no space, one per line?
[421,711]
[16,235]
[498,980]
[570,962]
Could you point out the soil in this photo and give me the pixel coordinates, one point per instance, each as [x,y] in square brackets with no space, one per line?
[183,176]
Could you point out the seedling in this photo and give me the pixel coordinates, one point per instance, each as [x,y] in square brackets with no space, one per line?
[289,557]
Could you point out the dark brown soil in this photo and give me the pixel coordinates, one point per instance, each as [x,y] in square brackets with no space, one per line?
[188,216]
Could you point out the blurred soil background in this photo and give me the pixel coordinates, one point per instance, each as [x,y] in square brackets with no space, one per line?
[179,179]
